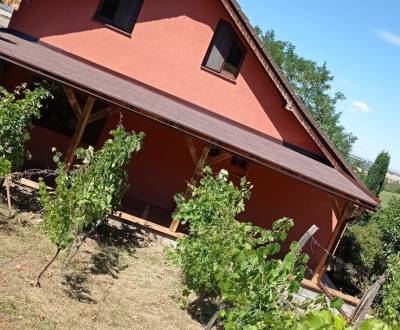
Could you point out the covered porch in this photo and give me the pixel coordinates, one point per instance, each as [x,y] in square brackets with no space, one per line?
[181,138]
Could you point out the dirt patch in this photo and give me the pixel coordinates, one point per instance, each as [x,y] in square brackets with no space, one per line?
[120,279]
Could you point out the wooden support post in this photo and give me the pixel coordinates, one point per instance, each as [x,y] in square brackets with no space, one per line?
[100,115]
[219,158]
[7,183]
[80,129]
[76,108]
[193,180]
[192,149]
[339,229]
[249,167]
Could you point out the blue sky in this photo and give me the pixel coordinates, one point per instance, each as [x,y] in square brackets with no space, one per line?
[360,41]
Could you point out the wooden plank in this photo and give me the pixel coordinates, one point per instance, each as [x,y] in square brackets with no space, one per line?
[192,149]
[76,139]
[193,180]
[249,167]
[100,115]
[29,183]
[339,228]
[336,207]
[335,293]
[76,108]
[146,224]
[218,159]
[200,164]
[7,184]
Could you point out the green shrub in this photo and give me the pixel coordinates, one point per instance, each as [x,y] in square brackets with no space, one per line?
[390,310]
[17,111]
[361,258]
[321,319]
[388,221]
[326,319]
[234,262]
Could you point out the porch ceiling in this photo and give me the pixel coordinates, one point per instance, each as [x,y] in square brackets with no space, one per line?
[133,95]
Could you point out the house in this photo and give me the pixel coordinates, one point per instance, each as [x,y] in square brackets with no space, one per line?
[195,78]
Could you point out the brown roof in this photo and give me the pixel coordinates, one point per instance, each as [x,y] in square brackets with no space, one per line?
[178,113]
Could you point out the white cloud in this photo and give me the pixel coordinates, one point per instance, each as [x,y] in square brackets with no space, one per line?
[361,106]
[388,37]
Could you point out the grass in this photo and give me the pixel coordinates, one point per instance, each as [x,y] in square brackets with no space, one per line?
[386,196]
[120,279]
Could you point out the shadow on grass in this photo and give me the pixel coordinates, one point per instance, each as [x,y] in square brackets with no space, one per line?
[6,223]
[112,241]
[120,236]
[75,288]
[107,262]
[5,227]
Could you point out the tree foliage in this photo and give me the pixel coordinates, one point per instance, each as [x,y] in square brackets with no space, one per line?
[312,83]
[91,191]
[17,111]
[388,221]
[362,258]
[390,310]
[376,177]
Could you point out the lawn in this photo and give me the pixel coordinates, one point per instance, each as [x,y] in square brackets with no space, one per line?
[386,196]
[120,279]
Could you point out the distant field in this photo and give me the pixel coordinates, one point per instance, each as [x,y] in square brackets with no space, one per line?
[387,196]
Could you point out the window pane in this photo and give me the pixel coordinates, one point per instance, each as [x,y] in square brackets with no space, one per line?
[234,59]
[127,14]
[109,9]
[220,46]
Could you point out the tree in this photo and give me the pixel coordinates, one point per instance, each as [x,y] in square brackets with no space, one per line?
[312,83]
[84,197]
[376,177]
[17,111]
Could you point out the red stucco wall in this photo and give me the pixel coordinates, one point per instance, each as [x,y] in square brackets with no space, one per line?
[165,51]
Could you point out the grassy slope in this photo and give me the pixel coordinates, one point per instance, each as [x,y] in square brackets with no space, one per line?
[120,280]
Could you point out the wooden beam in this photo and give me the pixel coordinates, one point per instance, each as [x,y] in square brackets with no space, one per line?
[339,229]
[80,129]
[249,167]
[193,180]
[7,184]
[336,207]
[76,108]
[315,287]
[192,149]
[219,158]
[100,115]
[200,164]
[119,215]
